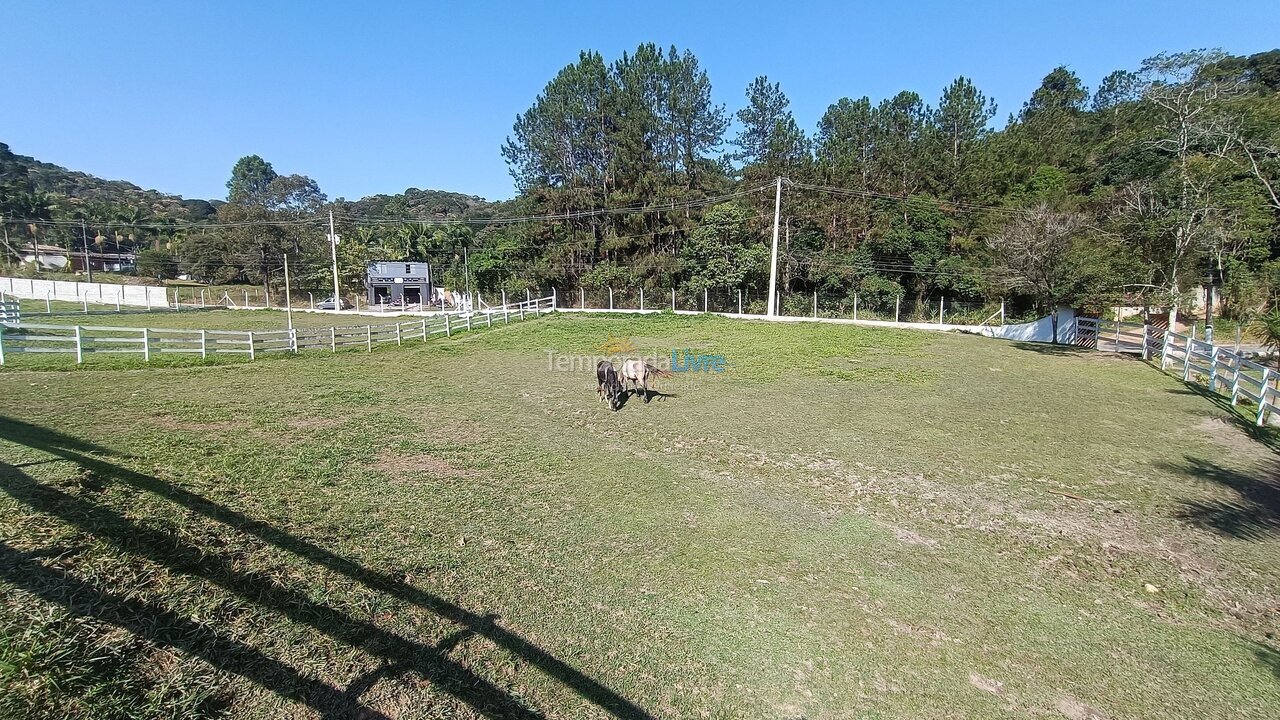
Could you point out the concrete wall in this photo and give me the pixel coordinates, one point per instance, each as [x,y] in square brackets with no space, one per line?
[1037,331]
[102,293]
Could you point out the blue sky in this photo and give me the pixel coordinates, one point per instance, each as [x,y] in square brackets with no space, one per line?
[377,97]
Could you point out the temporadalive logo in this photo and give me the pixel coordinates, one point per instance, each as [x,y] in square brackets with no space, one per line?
[689,361]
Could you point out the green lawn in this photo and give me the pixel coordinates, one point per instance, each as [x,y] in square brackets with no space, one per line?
[848,522]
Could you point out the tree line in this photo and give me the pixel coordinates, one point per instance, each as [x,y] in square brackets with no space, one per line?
[629,174]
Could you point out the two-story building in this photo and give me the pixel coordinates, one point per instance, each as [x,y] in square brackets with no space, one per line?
[400,282]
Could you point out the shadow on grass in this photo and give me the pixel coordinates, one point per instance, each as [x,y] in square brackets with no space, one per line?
[1268,436]
[1051,349]
[1268,658]
[165,627]
[1254,512]
[651,394]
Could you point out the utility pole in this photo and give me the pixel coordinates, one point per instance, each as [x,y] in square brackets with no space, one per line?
[288,299]
[333,250]
[84,236]
[773,258]
[466,268]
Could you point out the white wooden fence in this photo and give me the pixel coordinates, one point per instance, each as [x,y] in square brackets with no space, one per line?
[1225,372]
[82,340]
[10,311]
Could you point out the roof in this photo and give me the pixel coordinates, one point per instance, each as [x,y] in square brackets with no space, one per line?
[40,248]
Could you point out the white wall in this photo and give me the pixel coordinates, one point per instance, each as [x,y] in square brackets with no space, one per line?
[104,293]
[1037,331]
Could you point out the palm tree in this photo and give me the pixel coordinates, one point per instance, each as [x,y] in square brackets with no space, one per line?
[1267,327]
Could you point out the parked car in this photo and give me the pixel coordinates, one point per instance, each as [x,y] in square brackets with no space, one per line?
[329,304]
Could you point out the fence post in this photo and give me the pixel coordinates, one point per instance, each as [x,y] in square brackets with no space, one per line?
[1262,396]
[537,309]
[941,308]
[488,319]
[527,296]
[468,322]
[333,339]
[311,302]
[48,304]
[1235,382]
[705,305]
[146,345]
[368,338]
[610,298]
[582,298]
[506,315]
[204,345]
[1186,360]
[117,302]
[1002,311]
[252,356]
[1164,348]
[398,342]
[201,297]
[1117,332]
[555,299]
[739,301]
[1,347]
[246,298]
[641,297]
[897,305]
[424,329]
[79,347]
[1213,368]
[84,300]
[855,307]
[815,304]
[673,299]
[1146,331]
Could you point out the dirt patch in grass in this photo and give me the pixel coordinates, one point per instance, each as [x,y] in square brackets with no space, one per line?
[913,538]
[987,684]
[1076,710]
[402,465]
[1228,435]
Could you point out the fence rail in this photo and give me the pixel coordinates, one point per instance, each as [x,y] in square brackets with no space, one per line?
[82,340]
[1224,372]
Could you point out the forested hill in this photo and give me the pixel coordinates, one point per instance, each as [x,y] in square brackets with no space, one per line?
[61,190]
[30,188]
[1133,192]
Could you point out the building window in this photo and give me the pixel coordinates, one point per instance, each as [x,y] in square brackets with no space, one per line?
[408,269]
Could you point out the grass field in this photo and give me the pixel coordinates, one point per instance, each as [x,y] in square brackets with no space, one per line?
[846,523]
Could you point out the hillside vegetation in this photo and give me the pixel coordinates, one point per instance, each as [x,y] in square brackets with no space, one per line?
[1138,191]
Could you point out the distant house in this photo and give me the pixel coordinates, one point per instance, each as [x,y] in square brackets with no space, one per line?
[122,261]
[399,283]
[45,257]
